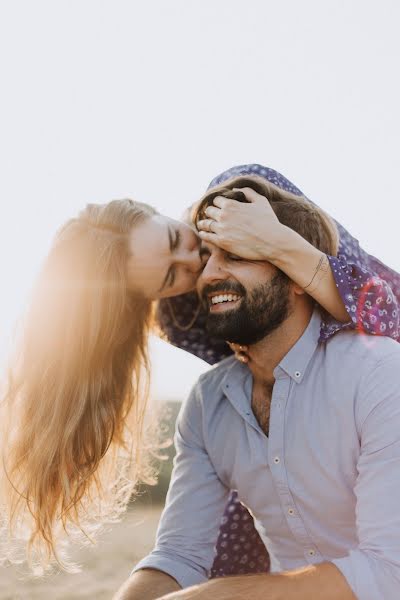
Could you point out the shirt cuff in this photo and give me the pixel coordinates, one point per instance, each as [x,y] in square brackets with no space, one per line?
[184,574]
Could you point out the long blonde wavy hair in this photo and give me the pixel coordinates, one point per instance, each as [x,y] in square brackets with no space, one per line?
[75,442]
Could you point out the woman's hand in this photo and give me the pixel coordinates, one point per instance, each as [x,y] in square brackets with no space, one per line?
[250,230]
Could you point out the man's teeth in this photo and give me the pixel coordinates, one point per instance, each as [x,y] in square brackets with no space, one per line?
[224,298]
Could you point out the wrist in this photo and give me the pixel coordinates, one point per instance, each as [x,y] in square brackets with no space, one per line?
[290,246]
[276,248]
[298,258]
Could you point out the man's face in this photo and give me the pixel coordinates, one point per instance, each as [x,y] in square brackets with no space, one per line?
[246,300]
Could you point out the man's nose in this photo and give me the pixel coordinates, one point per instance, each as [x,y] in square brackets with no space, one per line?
[212,271]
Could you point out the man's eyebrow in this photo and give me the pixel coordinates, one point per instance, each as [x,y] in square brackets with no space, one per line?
[171,247]
[204,249]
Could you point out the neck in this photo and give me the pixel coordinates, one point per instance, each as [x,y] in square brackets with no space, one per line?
[266,355]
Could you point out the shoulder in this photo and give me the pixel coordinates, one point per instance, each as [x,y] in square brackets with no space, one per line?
[367,351]
[215,376]
[207,393]
[209,384]
[369,366]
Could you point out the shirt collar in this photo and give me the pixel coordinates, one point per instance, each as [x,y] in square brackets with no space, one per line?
[297,359]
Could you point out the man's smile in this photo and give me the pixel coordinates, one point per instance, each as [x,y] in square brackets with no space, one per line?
[222,301]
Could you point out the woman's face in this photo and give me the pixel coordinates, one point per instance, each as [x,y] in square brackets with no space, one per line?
[164,258]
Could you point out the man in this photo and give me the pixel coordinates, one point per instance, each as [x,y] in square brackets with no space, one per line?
[313,449]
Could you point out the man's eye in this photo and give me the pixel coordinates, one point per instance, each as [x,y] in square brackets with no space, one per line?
[204,252]
[234,257]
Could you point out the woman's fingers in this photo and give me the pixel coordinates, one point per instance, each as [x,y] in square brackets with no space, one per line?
[208,225]
[248,229]
[222,202]
[251,195]
[213,212]
[211,238]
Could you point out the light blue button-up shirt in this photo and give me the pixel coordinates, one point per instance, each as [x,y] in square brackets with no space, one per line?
[325,484]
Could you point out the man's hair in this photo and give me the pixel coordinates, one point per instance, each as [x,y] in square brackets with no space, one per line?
[296,212]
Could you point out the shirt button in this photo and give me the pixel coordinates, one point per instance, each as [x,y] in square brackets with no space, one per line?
[291,511]
[277,460]
[297,374]
[311,552]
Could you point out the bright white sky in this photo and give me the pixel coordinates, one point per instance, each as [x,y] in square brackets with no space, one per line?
[103,99]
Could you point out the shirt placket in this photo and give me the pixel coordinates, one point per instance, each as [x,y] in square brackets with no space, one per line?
[276,459]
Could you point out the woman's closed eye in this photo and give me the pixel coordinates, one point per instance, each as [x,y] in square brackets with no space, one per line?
[176,240]
[171,276]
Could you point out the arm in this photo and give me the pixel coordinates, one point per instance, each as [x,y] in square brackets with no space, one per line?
[147,584]
[188,528]
[299,259]
[318,582]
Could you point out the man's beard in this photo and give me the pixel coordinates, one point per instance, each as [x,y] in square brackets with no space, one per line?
[258,315]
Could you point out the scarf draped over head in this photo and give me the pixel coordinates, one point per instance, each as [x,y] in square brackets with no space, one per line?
[253,169]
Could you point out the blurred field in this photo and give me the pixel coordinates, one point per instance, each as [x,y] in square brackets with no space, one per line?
[105,565]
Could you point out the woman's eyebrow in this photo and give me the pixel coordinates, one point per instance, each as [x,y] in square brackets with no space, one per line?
[177,239]
[171,238]
[171,249]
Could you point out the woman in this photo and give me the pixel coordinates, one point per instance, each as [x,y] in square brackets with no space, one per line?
[75,439]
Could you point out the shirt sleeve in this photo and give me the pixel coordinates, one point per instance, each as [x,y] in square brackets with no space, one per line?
[195,501]
[370,290]
[369,300]
[373,568]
